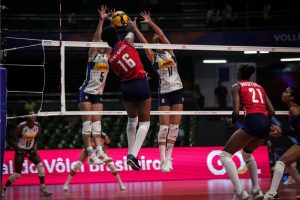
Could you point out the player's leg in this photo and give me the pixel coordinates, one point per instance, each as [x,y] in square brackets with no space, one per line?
[131,131]
[162,137]
[247,152]
[236,142]
[18,164]
[76,167]
[173,133]
[87,131]
[115,172]
[34,157]
[290,156]
[96,133]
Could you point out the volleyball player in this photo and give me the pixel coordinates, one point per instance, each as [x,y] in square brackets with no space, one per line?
[258,108]
[24,141]
[105,141]
[170,91]
[90,95]
[291,96]
[126,63]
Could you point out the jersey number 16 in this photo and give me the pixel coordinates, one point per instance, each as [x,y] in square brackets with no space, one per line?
[129,62]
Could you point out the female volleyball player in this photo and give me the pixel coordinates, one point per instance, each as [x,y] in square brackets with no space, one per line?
[24,141]
[126,63]
[170,91]
[257,107]
[105,141]
[90,95]
[291,96]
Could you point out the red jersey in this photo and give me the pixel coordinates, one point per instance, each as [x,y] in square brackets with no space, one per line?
[252,97]
[126,62]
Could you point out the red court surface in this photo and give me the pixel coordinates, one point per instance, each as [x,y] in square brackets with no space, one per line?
[156,190]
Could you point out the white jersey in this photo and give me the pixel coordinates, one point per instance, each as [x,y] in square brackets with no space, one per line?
[96,75]
[26,141]
[166,66]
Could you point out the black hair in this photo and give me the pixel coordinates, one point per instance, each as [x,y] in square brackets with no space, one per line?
[246,71]
[296,94]
[109,34]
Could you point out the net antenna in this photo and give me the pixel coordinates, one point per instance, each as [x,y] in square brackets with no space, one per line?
[64,44]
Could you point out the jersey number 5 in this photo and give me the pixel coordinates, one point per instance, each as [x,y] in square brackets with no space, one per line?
[254,95]
[129,62]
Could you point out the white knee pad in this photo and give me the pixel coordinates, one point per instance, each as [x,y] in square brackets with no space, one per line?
[163,133]
[132,122]
[247,157]
[173,132]
[14,177]
[86,128]
[40,168]
[77,166]
[225,157]
[96,128]
[144,126]
[279,166]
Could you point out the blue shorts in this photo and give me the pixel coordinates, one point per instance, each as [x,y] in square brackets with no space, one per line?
[257,125]
[171,98]
[92,98]
[135,90]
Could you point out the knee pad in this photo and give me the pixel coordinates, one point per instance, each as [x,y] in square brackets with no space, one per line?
[247,157]
[173,132]
[14,177]
[86,128]
[40,168]
[144,126]
[163,133]
[279,167]
[225,157]
[77,166]
[96,128]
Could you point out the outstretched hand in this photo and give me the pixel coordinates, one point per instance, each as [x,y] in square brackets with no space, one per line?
[133,23]
[146,17]
[102,12]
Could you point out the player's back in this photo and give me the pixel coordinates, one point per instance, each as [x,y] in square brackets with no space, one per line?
[252,97]
[126,62]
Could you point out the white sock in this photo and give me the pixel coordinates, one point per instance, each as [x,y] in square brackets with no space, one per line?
[69,179]
[131,132]
[252,167]
[90,150]
[278,172]
[140,137]
[162,152]
[99,150]
[227,162]
[169,151]
[293,172]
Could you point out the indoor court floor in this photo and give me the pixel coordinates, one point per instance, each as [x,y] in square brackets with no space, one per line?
[218,189]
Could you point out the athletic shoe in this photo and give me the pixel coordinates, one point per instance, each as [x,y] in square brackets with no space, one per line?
[94,160]
[269,195]
[169,163]
[243,195]
[289,181]
[164,167]
[122,186]
[133,162]
[257,194]
[66,187]
[44,192]
[104,158]
[3,190]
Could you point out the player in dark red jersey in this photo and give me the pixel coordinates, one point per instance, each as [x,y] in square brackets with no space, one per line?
[291,96]
[126,63]
[258,108]
[24,141]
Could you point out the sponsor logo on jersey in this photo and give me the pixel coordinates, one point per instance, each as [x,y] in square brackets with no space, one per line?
[101,67]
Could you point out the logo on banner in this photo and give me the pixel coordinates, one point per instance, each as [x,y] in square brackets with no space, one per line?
[215,166]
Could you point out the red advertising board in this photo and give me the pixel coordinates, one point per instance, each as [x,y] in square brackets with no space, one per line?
[188,163]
